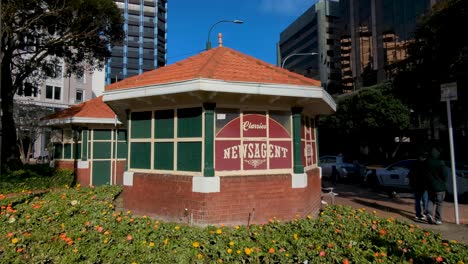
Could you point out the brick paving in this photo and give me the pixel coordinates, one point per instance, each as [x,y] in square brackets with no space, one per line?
[402,208]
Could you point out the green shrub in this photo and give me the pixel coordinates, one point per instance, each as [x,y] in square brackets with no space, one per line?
[36,177]
[80,225]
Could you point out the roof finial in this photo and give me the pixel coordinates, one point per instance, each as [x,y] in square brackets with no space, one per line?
[220,39]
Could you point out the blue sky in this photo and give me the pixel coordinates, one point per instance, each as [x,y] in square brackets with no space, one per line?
[188,23]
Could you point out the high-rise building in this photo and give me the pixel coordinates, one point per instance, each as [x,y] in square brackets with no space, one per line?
[144,46]
[315,31]
[375,35]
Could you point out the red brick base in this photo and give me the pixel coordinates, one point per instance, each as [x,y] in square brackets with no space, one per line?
[65,164]
[242,199]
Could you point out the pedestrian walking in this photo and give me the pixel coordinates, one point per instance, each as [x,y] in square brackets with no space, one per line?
[418,176]
[437,178]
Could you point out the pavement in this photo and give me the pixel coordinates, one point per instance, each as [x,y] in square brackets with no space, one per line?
[402,207]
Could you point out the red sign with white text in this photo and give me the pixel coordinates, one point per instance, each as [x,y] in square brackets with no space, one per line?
[256,152]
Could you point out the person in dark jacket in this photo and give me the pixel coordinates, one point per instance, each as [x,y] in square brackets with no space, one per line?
[418,182]
[437,178]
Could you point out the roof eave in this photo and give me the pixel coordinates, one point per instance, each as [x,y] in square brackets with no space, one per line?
[80,120]
[305,93]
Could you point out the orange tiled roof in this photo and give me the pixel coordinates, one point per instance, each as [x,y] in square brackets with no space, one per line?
[220,64]
[94,108]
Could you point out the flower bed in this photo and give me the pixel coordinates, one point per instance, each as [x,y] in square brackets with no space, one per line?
[81,225]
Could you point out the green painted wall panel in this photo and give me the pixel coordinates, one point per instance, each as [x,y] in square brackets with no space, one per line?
[164,156]
[101,150]
[122,149]
[77,151]
[85,145]
[67,151]
[164,124]
[140,155]
[189,122]
[122,135]
[58,151]
[101,172]
[141,125]
[102,134]
[189,156]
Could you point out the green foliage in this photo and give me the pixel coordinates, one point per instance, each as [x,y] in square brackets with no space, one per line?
[80,225]
[369,109]
[38,36]
[36,177]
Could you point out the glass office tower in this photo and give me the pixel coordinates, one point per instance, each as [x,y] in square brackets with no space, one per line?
[144,46]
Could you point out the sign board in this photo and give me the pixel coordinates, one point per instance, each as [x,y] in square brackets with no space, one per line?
[262,143]
[448,91]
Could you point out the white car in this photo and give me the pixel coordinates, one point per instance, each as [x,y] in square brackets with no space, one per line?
[344,170]
[395,178]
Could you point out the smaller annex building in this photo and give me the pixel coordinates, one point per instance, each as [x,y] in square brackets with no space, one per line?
[220,137]
[89,139]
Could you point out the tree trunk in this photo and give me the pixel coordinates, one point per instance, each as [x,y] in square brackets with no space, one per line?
[10,152]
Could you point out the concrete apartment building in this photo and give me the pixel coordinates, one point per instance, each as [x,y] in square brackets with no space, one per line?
[316,31]
[144,46]
[144,49]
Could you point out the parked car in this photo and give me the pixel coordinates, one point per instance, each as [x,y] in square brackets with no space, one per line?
[394,178]
[344,170]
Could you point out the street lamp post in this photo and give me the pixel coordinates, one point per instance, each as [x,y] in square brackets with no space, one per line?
[297,54]
[208,43]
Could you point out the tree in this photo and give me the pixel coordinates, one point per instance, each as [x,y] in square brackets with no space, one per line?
[439,54]
[27,117]
[371,117]
[37,34]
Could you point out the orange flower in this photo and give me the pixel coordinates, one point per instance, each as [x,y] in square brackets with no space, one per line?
[19,250]
[322,253]
[439,259]
[345,261]
[129,237]
[382,232]
[271,250]
[330,245]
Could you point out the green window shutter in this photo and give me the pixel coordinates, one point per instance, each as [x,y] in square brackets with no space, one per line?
[102,134]
[122,149]
[189,122]
[58,151]
[164,124]
[101,150]
[140,155]
[164,156]
[141,125]
[67,151]
[189,156]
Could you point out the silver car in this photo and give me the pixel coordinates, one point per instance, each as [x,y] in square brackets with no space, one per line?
[343,169]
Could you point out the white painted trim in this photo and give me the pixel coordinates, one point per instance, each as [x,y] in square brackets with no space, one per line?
[80,120]
[206,184]
[320,171]
[298,180]
[128,178]
[218,86]
[83,164]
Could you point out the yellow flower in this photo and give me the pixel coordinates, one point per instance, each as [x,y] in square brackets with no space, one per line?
[220,261]
[196,244]
[229,250]
[238,251]
[295,236]
[247,251]
[231,243]
[237,227]
[166,241]
[106,241]
[75,250]
[199,256]
[219,231]
[14,240]
[460,262]
[151,244]
[177,227]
